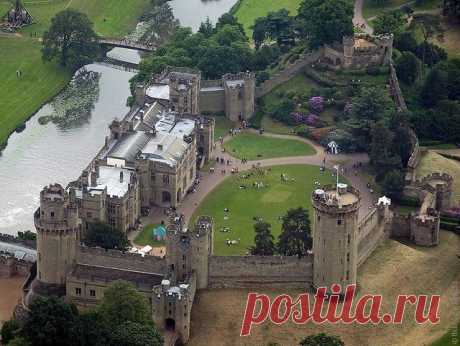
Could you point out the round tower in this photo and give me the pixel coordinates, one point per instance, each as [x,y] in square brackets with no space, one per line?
[58,227]
[335,228]
[202,248]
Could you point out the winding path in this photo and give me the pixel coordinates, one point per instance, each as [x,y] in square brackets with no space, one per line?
[209,181]
[358,18]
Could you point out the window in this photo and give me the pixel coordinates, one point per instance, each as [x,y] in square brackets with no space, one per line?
[348,274]
[89,215]
[78,291]
[166,179]
[348,257]
[349,239]
[152,176]
[319,217]
[52,214]
[339,222]
[92,293]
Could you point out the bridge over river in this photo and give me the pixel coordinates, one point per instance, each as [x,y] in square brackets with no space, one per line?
[127,44]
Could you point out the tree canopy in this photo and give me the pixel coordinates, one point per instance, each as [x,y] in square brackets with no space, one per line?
[389,23]
[295,238]
[325,21]
[408,68]
[321,339]
[71,39]
[106,236]
[264,244]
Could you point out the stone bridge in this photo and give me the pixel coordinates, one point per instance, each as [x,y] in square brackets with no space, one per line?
[127,44]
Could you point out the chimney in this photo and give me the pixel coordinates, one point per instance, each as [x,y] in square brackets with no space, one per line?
[121,176]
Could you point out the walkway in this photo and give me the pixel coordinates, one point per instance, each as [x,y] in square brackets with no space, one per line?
[209,181]
[127,44]
[358,18]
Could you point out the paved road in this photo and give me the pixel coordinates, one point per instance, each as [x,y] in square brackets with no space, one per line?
[209,181]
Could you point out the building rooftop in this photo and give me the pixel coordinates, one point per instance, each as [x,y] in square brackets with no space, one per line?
[158,91]
[129,146]
[108,274]
[234,83]
[115,179]
[165,148]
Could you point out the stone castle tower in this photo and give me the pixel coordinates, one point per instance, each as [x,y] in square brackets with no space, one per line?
[335,243]
[58,228]
[188,253]
[189,250]
[239,95]
[184,91]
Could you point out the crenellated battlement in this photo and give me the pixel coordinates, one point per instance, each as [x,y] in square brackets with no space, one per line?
[327,200]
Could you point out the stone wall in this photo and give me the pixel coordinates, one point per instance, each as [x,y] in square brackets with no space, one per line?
[120,260]
[212,100]
[290,71]
[10,266]
[259,271]
[401,226]
[371,231]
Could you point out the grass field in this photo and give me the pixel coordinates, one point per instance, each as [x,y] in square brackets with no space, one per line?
[373,8]
[434,162]
[392,270]
[451,338]
[268,203]
[22,97]
[146,238]
[111,18]
[223,124]
[249,10]
[254,147]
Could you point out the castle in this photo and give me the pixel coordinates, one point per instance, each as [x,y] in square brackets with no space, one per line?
[150,159]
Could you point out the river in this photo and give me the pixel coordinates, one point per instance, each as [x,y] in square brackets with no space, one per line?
[44,154]
[192,12]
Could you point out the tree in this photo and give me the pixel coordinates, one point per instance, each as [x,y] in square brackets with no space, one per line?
[50,322]
[259,32]
[136,334]
[430,53]
[435,87]
[406,42]
[325,21]
[10,330]
[408,68]
[393,184]
[381,155]
[264,245]
[389,23]
[123,303]
[321,339]
[282,111]
[71,39]
[19,341]
[92,330]
[295,238]
[106,236]
[206,28]
[451,8]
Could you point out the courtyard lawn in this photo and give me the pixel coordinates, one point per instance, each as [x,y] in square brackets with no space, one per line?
[146,238]
[268,203]
[21,97]
[223,124]
[256,147]
[249,10]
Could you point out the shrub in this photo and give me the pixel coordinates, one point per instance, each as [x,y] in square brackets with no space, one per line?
[316,104]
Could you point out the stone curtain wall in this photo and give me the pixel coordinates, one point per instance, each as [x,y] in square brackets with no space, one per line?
[371,231]
[120,260]
[259,271]
[290,71]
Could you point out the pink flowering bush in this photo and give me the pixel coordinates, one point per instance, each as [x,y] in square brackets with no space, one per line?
[316,104]
[311,119]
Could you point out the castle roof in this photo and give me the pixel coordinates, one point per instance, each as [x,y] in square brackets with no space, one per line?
[109,274]
[129,146]
[109,177]
[158,91]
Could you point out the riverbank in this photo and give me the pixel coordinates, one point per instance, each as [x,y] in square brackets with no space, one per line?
[22,97]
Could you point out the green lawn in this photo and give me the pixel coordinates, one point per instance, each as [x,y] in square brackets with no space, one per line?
[111,18]
[19,98]
[268,203]
[451,338]
[145,237]
[249,10]
[223,124]
[373,8]
[256,147]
